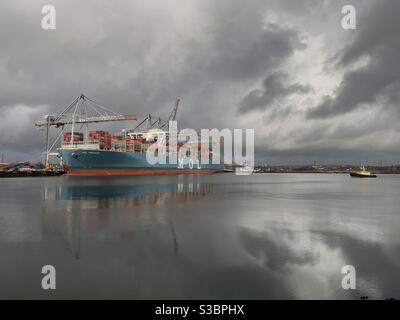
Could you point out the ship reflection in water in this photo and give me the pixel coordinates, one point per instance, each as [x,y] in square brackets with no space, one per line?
[264,236]
[117,196]
[75,200]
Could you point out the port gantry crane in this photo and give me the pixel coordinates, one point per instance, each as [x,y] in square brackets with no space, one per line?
[81,111]
[159,123]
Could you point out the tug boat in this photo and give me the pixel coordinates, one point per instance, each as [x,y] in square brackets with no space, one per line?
[362,174]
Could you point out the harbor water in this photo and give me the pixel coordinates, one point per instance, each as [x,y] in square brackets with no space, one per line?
[221,236]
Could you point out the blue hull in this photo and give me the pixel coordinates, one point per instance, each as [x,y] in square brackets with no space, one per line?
[102,162]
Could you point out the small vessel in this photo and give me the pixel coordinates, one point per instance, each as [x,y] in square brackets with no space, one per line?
[244,170]
[362,174]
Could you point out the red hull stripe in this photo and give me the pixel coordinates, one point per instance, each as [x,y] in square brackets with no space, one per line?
[134,172]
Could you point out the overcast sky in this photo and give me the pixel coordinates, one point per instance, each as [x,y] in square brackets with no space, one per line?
[310,89]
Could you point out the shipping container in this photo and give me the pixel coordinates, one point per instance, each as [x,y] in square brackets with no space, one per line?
[76,137]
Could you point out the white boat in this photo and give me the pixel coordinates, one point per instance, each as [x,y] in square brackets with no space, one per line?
[244,170]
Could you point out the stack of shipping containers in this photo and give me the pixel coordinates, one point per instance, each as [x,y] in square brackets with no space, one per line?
[102,137]
[76,137]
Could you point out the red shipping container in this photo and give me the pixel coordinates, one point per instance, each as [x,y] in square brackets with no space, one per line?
[77,136]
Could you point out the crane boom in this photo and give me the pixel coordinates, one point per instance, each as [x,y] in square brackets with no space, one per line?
[102,114]
[82,111]
[172,117]
[58,122]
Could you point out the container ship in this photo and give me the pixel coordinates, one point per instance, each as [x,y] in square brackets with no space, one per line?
[103,154]
[100,153]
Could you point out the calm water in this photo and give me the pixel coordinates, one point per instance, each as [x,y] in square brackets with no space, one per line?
[264,236]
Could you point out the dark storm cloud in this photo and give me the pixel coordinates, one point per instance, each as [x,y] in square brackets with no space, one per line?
[96,48]
[132,56]
[274,88]
[133,53]
[255,56]
[138,57]
[377,40]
